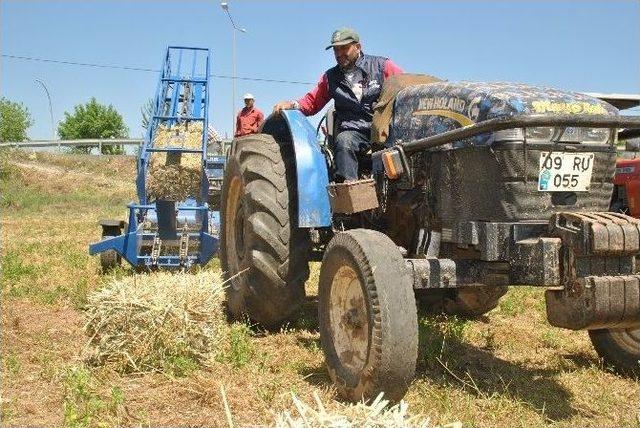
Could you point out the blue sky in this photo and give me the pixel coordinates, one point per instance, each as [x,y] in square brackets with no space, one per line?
[582,46]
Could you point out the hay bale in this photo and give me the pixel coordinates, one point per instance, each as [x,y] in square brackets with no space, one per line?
[376,414]
[173,182]
[138,323]
[187,135]
[175,178]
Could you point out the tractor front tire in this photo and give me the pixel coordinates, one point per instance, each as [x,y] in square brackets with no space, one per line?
[367,316]
[264,255]
[619,348]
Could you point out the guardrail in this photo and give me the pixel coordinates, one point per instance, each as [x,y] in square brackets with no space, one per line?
[74,143]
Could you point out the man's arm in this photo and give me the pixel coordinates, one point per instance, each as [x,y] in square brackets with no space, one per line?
[390,68]
[237,125]
[312,102]
[259,120]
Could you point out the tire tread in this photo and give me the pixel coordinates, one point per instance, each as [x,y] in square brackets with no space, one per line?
[273,288]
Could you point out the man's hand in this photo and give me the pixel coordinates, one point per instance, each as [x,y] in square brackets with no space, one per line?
[283,105]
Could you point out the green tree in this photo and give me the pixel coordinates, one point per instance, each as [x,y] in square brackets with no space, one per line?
[93,120]
[14,121]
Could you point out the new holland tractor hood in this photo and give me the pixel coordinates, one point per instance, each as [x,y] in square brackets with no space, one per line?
[423,111]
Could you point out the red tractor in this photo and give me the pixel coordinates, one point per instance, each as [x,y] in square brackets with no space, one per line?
[626,191]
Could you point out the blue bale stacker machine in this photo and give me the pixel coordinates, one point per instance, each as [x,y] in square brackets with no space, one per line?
[166,233]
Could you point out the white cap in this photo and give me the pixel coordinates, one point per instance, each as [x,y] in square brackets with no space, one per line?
[247,96]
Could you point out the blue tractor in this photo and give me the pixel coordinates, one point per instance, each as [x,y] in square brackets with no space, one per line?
[477,187]
[163,232]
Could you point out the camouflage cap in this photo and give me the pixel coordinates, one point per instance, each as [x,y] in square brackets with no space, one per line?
[343,36]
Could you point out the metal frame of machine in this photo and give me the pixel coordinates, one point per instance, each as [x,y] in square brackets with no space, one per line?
[162,233]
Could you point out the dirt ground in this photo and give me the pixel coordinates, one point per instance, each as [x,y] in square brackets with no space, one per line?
[508,369]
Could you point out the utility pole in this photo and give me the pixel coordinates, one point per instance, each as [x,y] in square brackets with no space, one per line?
[225,7]
[53,128]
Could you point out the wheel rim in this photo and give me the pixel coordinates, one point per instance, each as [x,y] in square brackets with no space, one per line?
[234,237]
[349,319]
[628,339]
[239,231]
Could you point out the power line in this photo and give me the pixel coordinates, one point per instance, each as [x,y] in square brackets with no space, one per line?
[151,70]
[86,64]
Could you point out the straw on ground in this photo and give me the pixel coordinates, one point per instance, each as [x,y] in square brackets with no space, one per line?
[141,322]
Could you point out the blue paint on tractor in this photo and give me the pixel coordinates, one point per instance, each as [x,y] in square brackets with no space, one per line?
[312,174]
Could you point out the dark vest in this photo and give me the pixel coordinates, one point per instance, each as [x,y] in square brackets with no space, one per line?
[352,114]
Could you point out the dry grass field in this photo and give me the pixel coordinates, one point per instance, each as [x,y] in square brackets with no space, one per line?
[508,369]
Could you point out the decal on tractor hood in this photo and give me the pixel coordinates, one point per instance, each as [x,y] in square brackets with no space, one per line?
[442,103]
[450,107]
[567,108]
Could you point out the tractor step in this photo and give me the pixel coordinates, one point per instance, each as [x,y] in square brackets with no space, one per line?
[353,196]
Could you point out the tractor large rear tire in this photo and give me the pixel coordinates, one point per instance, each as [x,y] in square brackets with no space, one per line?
[264,255]
[619,348]
[367,316]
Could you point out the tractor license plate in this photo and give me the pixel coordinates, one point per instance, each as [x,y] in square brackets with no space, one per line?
[562,172]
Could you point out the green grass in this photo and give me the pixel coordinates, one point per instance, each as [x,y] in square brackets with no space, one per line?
[438,337]
[551,338]
[513,303]
[25,198]
[240,350]
[84,406]
[49,367]
[15,268]
[81,403]
[21,278]
[20,199]
[12,364]
[179,365]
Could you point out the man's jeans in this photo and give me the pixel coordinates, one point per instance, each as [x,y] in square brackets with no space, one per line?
[348,145]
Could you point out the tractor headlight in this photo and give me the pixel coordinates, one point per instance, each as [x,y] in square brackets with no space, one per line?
[547,134]
[572,134]
[540,133]
[596,135]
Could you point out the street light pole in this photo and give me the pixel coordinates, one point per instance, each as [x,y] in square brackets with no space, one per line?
[53,129]
[225,7]
[233,92]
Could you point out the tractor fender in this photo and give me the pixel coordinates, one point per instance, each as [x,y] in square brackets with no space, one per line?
[291,126]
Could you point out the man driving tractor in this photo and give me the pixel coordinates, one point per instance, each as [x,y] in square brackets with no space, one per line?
[354,84]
